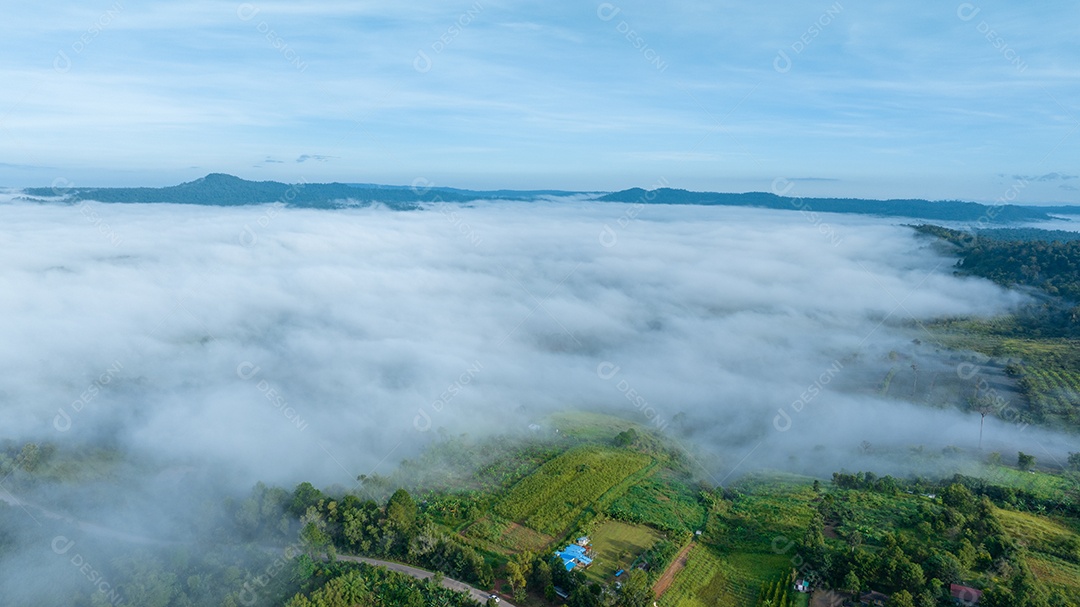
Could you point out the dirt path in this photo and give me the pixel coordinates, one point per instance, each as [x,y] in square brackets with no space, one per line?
[423,574]
[662,584]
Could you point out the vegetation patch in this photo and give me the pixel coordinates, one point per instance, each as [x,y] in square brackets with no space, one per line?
[551,499]
[671,506]
[617,545]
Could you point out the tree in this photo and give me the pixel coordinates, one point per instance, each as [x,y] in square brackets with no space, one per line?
[1025,461]
[583,596]
[516,577]
[541,575]
[626,437]
[983,406]
[401,509]
[29,457]
[636,590]
[959,498]
[1074,461]
[966,554]
[814,538]
[946,567]
[305,496]
[909,575]
[902,599]
[852,583]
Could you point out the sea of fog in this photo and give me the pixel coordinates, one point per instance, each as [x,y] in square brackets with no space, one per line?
[216,347]
[284,345]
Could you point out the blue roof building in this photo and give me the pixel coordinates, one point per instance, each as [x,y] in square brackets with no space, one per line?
[574,555]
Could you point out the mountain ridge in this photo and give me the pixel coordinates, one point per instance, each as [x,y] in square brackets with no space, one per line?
[221,189]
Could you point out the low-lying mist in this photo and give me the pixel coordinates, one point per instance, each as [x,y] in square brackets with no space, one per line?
[217,347]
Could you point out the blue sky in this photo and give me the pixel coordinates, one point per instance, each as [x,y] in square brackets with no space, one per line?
[973,100]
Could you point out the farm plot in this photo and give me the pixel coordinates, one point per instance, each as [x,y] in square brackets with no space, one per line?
[617,544]
[713,579]
[668,506]
[552,498]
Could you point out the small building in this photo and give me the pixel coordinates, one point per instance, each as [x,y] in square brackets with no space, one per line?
[802,586]
[582,541]
[963,595]
[573,556]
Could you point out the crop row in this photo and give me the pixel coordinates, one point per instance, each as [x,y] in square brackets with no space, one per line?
[552,497]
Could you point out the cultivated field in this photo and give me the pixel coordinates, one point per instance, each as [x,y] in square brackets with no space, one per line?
[551,499]
[617,544]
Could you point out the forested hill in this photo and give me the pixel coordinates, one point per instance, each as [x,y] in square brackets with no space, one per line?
[226,190]
[946,210]
[1049,263]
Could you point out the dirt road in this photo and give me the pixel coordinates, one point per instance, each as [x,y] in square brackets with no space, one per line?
[662,584]
[424,574]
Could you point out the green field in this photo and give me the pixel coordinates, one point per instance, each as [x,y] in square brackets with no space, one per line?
[1045,368]
[617,544]
[551,499]
[768,506]
[1054,548]
[711,578]
[662,503]
[1041,484]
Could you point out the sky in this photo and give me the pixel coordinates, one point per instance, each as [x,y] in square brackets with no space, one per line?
[938,100]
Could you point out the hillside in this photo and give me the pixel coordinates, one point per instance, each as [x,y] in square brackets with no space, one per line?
[946,210]
[226,190]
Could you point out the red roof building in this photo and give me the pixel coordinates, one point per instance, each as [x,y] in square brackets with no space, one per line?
[965,595]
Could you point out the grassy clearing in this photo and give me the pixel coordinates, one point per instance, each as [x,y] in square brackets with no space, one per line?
[551,499]
[617,544]
[767,506]
[711,578]
[1041,484]
[1036,532]
[1047,375]
[1053,548]
[596,427]
[664,504]
[520,538]
[1056,572]
[874,514]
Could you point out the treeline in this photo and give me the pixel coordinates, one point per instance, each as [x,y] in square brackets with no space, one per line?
[1048,264]
[1027,234]
[396,530]
[944,210]
[218,189]
[402,530]
[941,542]
[1003,496]
[775,594]
[359,584]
